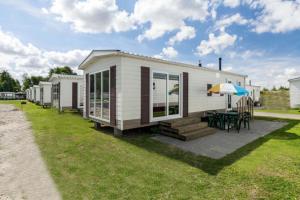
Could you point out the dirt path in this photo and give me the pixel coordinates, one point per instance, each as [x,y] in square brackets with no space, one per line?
[23,173]
[277,115]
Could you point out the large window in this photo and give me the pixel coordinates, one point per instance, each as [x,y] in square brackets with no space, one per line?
[165,94]
[99,95]
[173,94]
[105,95]
[209,86]
[55,94]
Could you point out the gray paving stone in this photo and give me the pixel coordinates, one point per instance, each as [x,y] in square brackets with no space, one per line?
[222,143]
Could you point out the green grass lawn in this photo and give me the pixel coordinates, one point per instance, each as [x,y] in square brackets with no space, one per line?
[287,111]
[90,164]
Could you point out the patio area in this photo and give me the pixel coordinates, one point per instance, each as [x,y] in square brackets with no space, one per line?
[223,143]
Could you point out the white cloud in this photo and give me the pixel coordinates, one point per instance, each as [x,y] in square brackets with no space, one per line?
[245,54]
[228,68]
[19,58]
[12,45]
[24,6]
[227,21]
[268,72]
[215,44]
[167,52]
[276,16]
[72,58]
[92,16]
[231,3]
[185,33]
[168,15]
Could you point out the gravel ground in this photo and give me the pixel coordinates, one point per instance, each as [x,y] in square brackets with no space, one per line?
[23,173]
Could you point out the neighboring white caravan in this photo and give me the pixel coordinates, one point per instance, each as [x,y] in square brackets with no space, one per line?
[36,94]
[295,92]
[31,94]
[254,93]
[27,94]
[7,95]
[127,91]
[45,93]
[67,91]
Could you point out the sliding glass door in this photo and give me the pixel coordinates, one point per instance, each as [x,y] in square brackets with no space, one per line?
[165,95]
[99,95]
[173,93]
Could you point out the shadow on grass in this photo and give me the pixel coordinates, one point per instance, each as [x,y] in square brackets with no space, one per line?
[210,166]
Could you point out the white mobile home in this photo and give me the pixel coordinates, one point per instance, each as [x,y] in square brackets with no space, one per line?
[128,91]
[36,94]
[27,94]
[45,93]
[7,95]
[295,92]
[67,91]
[254,93]
[31,92]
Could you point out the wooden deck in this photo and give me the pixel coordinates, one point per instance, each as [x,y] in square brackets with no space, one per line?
[187,128]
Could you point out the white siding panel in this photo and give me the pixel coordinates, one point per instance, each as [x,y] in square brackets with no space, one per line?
[46,93]
[198,80]
[295,94]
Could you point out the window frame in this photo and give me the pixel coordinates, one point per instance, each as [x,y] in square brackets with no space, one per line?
[209,94]
[179,115]
[94,74]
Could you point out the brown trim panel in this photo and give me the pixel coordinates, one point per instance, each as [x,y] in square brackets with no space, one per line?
[145,95]
[113,96]
[87,95]
[185,94]
[74,95]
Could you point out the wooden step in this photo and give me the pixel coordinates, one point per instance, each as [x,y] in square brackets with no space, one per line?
[174,135]
[198,133]
[185,128]
[181,122]
[191,135]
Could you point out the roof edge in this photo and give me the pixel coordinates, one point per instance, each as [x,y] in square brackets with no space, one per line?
[137,56]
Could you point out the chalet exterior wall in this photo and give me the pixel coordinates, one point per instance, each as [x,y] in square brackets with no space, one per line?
[36,94]
[198,80]
[294,93]
[45,92]
[254,92]
[128,86]
[105,64]
[65,94]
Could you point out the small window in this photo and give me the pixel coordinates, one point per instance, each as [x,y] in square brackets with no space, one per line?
[208,87]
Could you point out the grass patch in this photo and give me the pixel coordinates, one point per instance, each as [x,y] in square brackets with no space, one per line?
[90,164]
[275,100]
[287,111]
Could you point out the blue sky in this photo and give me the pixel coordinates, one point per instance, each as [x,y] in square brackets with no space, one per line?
[260,38]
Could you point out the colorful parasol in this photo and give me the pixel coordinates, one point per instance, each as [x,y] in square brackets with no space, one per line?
[228,88]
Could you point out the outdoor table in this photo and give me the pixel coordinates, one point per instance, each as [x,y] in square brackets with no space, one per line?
[224,116]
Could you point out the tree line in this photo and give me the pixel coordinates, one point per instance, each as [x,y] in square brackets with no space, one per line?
[9,84]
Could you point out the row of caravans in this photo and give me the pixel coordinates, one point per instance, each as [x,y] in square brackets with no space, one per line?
[61,92]
[12,95]
[127,91]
